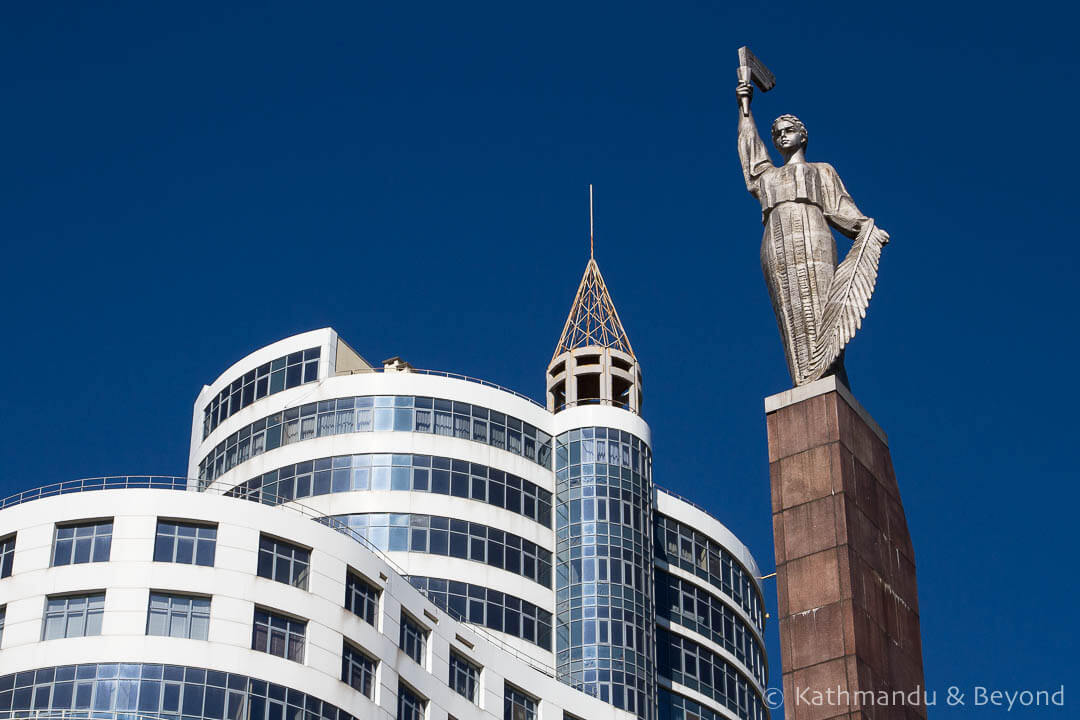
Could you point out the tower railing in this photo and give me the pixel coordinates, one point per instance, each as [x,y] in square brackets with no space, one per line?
[184,484]
[686,500]
[111,482]
[594,401]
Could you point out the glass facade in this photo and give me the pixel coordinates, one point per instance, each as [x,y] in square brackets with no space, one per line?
[450,537]
[684,603]
[490,608]
[677,707]
[285,372]
[170,691]
[415,473]
[603,579]
[681,546]
[688,663]
[377,413]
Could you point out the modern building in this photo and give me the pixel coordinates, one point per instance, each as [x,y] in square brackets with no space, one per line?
[353,541]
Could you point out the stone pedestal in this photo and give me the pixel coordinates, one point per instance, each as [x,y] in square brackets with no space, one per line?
[845,568]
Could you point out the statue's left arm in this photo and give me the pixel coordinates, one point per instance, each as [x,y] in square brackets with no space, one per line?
[840,210]
[853,282]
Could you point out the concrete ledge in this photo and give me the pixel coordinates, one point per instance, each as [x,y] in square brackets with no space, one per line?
[820,387]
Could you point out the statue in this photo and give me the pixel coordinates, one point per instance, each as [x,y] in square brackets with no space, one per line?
[819,305]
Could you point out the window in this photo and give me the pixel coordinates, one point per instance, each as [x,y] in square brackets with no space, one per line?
[73,616]
[358,670]
[413,638]
[689,605]
[684,661]
[7,555]
[517,705]
[376,414]
[186,543]
[82,543]
[464,676]
[385,471]
[361,597]
[285,372]
[410,706]
[284,562]
[453,537]
[279,635]
[479,605]
[680,546]
[179,616]
[3,614]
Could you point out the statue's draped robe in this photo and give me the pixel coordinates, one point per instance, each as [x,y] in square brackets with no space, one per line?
[799,203]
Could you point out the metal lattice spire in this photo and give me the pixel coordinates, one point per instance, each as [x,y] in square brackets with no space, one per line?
[593,320]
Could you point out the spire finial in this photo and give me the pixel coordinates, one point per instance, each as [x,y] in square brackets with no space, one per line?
[593,320]
[590,223]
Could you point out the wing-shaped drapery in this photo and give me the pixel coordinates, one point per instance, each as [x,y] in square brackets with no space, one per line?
[849,295]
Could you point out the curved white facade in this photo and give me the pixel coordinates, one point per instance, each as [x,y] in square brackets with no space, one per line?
[235,591]
[541,531]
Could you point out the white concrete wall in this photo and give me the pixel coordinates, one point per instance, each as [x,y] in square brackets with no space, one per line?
[130,575]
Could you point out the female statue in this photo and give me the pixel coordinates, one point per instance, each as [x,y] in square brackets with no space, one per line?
[818,305]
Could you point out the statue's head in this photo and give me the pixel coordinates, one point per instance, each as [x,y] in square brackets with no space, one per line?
[789,134]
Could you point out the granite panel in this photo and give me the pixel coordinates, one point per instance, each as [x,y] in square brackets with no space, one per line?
[847,591]
[812,581]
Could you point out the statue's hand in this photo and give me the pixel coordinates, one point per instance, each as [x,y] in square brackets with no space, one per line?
[744,90]
[882,236]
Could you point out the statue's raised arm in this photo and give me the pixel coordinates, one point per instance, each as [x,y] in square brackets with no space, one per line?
[819,305]
[752,153]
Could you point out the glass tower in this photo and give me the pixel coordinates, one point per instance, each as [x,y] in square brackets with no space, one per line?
[603,573]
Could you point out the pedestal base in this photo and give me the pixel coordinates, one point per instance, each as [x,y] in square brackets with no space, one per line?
[845,568]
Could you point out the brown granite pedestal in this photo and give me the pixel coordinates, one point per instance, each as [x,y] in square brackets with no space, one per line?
[845,569]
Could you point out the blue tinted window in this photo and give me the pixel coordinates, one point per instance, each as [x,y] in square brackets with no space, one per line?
[186,543]
[159,690]
[82,543]
[7,555]
[273,377]
[383,413]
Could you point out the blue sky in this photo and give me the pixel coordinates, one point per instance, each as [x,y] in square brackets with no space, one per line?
[182,185]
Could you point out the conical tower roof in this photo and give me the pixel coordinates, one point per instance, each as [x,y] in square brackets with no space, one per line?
[593,320]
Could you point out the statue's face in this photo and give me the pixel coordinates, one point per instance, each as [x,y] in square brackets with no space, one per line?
[788,137]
